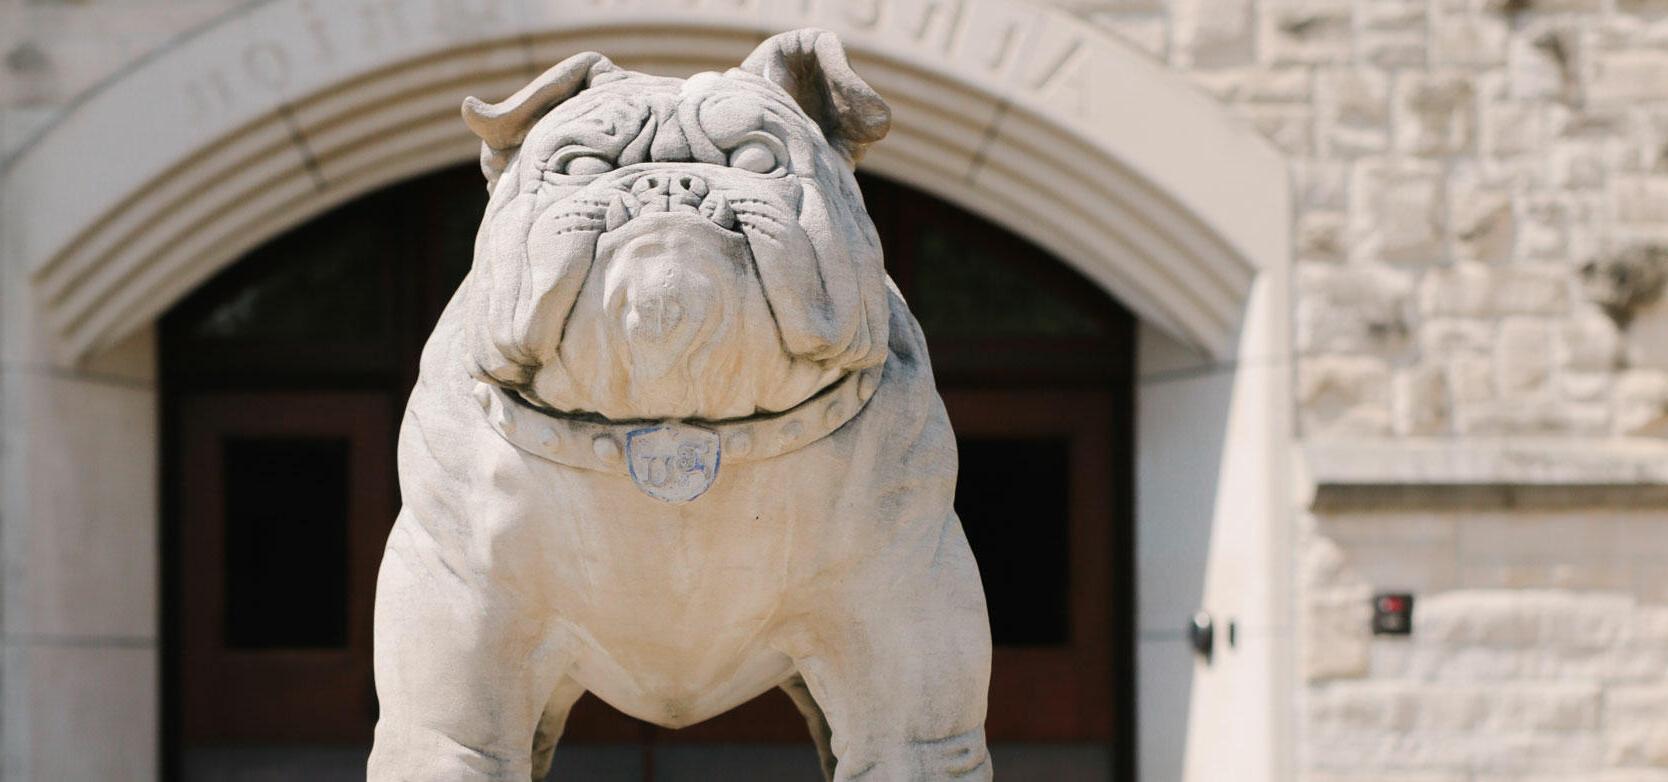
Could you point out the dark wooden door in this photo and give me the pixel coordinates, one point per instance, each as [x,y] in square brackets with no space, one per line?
[282,527]
[1035,493]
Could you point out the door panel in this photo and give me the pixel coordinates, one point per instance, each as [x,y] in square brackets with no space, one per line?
[289,497]
[1051,676]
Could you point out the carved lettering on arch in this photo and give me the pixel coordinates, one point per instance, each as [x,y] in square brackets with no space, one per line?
[208,95]
[319,30]
[861,14]
[452,17]
[933,23]
[267,64]
[992,41]
[1058,72]
[385,21]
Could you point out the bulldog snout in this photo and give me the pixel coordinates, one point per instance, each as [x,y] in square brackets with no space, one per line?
[654,317]
[666,195]
[677,186]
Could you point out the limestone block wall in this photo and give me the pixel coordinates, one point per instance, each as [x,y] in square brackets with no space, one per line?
[1457,164]
[1539,651]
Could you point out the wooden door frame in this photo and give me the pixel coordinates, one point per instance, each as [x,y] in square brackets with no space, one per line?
[204,420]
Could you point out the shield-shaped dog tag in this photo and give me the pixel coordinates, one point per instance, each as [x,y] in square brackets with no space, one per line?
[672,462]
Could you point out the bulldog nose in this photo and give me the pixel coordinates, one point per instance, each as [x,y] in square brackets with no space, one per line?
[679,186]
[655,316]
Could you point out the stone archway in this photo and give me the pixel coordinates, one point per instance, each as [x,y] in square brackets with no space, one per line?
[1042,123]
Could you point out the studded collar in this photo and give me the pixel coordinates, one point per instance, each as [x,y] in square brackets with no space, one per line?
[613,446]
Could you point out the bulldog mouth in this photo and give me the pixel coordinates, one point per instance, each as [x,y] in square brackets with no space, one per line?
[521,398]
[624,207]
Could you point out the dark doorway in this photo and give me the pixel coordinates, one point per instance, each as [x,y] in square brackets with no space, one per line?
[285,377]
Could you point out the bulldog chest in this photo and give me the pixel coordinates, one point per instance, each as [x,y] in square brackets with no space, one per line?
[676,603]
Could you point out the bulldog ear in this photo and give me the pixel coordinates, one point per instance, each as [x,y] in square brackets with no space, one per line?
[502,125]
[811,66]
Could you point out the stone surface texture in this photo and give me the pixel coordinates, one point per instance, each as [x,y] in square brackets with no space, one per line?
[1457,167]
[690,258]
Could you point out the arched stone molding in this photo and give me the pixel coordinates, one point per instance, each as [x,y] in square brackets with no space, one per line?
[288,107]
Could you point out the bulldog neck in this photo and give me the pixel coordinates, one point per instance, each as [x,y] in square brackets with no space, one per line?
[593,443]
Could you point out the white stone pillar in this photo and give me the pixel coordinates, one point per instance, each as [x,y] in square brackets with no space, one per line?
[78,547]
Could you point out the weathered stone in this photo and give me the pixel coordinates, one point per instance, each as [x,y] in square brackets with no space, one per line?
[1354,110]
[1321,184]
[1509,7]
[1525,619]
[1289,127]
[1579,165]
[1435,115]
[1556,226]
[1447,337]
[1473,290]
[1397,213]
[1469,39]
[1517,416]
[1213,33]
[1352,308]
[1257,85]
[1638,734]
[1585,386]
[31,80]
[1387,776]
[1484,225]
[1589,342]
[1404,706]
[1420,403]
[1471,380]
[1408,16]
[1648,139]
[1540,65]
[1306,31]
[1514,128]
[1523,360]
[1626,76]
[1621,283]
[1392,33]
[1344,396]
[1641,198]
[1321,237]
[1336,638]
[1143,29]
[1393,50]
[1642,403]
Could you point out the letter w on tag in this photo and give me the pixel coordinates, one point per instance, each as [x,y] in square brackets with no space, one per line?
[673,462]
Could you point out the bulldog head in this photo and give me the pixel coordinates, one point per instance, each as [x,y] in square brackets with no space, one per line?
[667,248]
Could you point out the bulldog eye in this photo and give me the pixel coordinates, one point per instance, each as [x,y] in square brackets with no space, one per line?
[755,156]
[586,165]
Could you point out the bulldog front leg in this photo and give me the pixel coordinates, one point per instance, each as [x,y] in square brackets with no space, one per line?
[550,728]
[464,672]
[900,666]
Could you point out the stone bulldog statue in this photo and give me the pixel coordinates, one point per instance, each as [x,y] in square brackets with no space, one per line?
[676,441]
